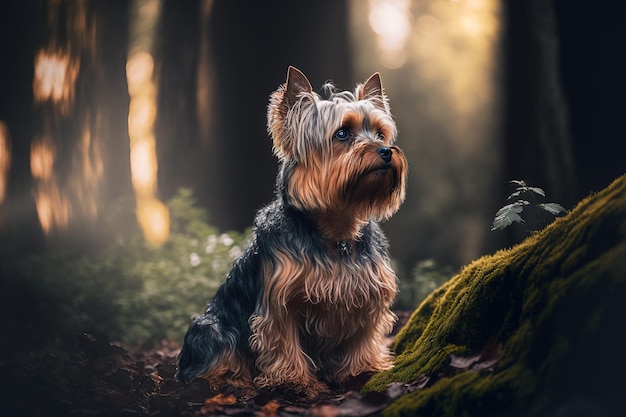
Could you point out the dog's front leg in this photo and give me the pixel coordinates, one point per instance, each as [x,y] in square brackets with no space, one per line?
[367,351]
[280,358]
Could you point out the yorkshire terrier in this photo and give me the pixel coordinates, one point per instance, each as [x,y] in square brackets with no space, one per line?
[310,299]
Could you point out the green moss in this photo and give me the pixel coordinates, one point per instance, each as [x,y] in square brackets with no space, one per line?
[556,304]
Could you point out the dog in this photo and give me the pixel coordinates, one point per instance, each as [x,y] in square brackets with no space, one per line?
[309,302]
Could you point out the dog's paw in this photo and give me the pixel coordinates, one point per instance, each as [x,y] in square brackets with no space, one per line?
[306,388]
[311,390]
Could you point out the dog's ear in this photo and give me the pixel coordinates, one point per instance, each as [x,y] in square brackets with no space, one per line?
[296,84]
[296,90]
[372,90]
[289,93]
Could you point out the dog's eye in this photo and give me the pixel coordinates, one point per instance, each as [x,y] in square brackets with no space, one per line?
[342,134]
[380,136]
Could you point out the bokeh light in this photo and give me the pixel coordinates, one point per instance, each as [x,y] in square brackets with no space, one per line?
[390,20]
[55,77]
[53,208]
[5,159]
[152,214]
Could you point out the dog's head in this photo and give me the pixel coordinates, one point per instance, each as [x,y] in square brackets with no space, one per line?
[338,155]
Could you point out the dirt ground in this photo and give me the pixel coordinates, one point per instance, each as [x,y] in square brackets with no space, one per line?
[93,377]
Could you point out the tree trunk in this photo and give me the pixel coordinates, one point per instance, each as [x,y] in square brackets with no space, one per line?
[536,135]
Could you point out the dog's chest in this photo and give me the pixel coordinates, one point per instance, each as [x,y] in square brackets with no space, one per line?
[343,298]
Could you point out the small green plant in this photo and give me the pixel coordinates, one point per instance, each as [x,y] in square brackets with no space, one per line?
[510,213]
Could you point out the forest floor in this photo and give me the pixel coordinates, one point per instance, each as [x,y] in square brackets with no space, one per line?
[93,377]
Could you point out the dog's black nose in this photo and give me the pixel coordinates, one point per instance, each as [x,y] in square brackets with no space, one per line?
[385,154]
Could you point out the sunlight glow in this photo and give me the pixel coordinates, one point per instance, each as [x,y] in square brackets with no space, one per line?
[154,219]
[53,209]
[142,113]
[427,26]
[390,20]
[42,155]
[5,159]
[65,156]
[55,76]
[139,68]
[152,214]
[462,56]
[143,165]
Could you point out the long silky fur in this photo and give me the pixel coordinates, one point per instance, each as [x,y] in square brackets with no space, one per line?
[295,309]
[222,332]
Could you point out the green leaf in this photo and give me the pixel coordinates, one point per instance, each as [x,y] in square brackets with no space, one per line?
[553,208]
[515,194]
[508,215]
[537,190]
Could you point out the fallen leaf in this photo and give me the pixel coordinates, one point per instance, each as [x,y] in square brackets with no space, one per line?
[486,364]
[485,359]
[214,403]
[357,405]
[325,410]
[156,378]
[465,363]
[396,390]
[270,409]
[419,383]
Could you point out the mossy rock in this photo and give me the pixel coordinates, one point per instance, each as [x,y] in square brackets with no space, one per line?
[553,308]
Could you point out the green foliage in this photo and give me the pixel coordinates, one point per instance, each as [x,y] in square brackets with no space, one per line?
[423,280]
[126,290]
[510,213]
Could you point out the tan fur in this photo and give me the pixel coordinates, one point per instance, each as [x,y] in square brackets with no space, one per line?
[327,311]
[320,185]
[232,369]
[339,302]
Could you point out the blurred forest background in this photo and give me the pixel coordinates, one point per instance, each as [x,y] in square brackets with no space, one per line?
[133,150]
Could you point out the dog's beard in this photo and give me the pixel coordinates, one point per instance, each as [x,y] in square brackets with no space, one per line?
[371,186]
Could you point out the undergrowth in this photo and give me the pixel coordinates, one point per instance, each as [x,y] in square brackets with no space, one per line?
[125,290]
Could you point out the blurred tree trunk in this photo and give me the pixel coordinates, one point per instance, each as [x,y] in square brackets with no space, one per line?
[253,43]
[176,62]
[243,49]
[593,65]
[86,133]
[20,34]
[538,147]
